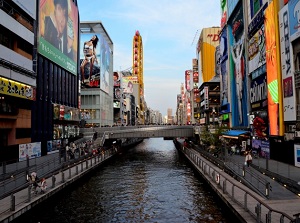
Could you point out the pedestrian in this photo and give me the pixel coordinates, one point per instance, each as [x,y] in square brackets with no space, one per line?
[33,179]
[248,159]
[43,186]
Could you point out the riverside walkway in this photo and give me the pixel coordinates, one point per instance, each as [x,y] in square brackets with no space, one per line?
[25,199]
[249,205]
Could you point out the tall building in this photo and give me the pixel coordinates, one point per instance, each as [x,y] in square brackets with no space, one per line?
[209,76]
[170,118]
[18,77]
[138,71]
[96,71]
[55,114]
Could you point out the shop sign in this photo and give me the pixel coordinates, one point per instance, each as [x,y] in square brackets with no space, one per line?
[16,89]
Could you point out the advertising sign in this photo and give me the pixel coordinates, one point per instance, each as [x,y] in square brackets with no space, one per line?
[105,64]
[224,67]
[238,80]
[188,74]
[127,85]
[294,19]
[272,73]
[257,50]
[16,89]
[58,28]
[258,90]
[287,68]
[95,61]
[90,60]
[297,155]
[30,150]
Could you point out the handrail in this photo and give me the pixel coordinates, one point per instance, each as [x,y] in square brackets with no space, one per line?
[231,171]
[222,181]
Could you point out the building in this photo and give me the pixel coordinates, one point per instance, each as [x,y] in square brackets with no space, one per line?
[55,113]
[97,83]
[209,76]
[18,77]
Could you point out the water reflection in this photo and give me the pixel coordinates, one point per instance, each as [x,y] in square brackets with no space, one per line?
[148,183]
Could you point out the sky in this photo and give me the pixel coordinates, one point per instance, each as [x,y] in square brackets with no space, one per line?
[170,30]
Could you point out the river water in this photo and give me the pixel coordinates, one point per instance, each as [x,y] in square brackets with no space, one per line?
[150,182]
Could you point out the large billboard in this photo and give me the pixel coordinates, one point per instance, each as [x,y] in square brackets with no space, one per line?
[95,60]
[272,72]
[58,28]
[287,68]
[238,78]
[224,72]
[294,19]
[208,41]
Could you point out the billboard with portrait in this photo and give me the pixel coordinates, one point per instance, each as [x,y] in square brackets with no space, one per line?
[127,85]
[95,60]
[105,65]
[238,79]
[58,28]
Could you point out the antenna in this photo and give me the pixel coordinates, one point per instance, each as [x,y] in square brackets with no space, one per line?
[195,37]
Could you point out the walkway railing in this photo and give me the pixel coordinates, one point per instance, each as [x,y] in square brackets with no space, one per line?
[249,201]
[57,179]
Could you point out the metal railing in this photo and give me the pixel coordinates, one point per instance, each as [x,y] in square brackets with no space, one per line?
[249,201]
[55,179]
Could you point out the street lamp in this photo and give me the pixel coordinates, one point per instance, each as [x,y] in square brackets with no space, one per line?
[213,113]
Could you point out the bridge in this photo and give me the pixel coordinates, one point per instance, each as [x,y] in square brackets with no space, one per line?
[145,131]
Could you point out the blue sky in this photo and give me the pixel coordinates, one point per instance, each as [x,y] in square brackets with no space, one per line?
[169,32]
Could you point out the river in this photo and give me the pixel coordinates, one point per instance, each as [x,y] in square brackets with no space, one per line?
[151,182]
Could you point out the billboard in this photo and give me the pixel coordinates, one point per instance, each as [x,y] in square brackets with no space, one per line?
[127,85]
[294,19]
[58,32]
[257,51]
[29,150]
[238,79]
[287,68]
[272,72]
[208,41]
[95,61]
[224,67]
[188,74]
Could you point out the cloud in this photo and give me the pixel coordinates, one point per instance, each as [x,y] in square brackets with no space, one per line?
[169,33]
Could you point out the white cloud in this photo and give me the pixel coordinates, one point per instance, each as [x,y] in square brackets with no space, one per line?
[168,29]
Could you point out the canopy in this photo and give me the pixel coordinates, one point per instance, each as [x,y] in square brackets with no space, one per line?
[234,134]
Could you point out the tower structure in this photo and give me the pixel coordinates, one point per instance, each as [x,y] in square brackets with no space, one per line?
[138,71]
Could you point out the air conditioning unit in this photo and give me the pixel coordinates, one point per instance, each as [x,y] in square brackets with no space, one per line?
[297,133]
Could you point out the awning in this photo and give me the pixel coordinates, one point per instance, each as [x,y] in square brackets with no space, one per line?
[234,134]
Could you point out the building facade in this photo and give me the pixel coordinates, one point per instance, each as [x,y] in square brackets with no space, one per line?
[97,77]
[18,77]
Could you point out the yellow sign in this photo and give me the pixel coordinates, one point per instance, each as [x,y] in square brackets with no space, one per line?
[16,89]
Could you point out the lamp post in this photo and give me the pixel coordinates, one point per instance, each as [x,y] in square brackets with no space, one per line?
[213,113]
